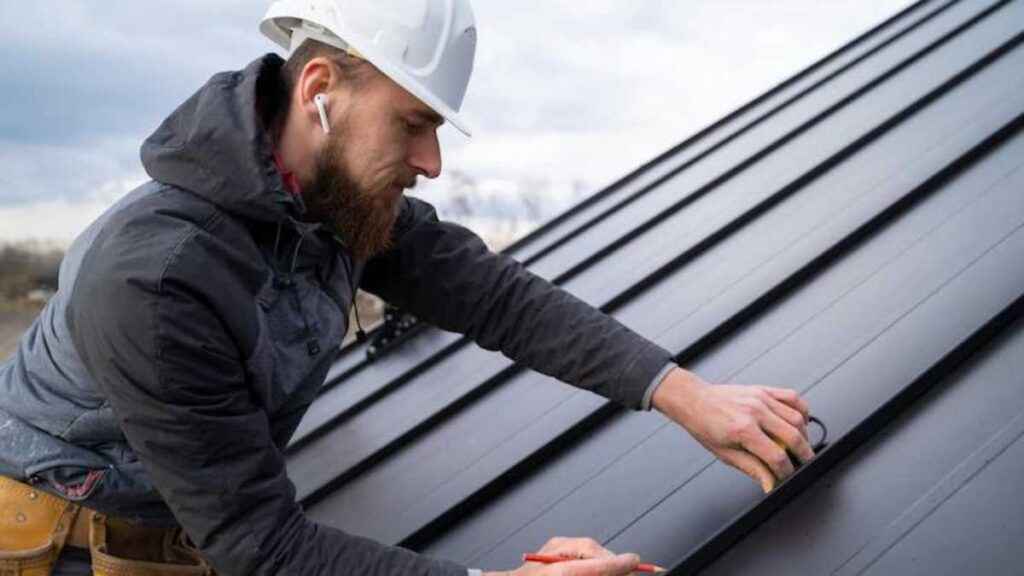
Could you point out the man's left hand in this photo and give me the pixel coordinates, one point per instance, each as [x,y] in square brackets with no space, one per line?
[748,427]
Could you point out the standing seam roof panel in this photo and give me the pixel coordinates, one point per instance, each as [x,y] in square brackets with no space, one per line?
[918,463]
[660,460]
[650,175]
[856,233]
[709,215]
[364,490]
[377,380]
[426,461]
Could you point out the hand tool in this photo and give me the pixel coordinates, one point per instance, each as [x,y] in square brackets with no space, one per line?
[548,559]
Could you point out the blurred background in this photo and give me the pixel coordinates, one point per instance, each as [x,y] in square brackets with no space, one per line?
[566,97]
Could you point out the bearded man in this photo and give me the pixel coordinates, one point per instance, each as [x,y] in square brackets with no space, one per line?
[146,410]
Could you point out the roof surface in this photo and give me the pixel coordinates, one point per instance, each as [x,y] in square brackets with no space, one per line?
[857,233]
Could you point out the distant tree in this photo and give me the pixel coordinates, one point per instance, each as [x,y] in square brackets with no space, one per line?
[23,269]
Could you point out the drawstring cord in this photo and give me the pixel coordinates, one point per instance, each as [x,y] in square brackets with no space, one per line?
[295,254]
[277,242]
[286,281]
[360,333]
[312,345]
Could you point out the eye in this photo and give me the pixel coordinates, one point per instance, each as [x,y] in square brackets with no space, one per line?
[413,126]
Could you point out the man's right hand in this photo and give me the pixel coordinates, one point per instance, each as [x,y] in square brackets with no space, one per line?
[594,560]
[748,427]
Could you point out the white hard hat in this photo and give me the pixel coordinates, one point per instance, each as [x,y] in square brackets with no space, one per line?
[426,46]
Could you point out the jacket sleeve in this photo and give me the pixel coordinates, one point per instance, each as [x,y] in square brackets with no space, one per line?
[444,274]
[159,349]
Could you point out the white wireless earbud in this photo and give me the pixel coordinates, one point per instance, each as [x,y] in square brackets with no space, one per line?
[321,105]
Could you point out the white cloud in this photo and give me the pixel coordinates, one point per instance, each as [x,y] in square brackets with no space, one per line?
[574,91]
[45,172]
[56,221]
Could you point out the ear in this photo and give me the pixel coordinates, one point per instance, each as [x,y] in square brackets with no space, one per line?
[318,78]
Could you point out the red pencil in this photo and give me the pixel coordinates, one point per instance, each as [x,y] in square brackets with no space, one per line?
[545,559]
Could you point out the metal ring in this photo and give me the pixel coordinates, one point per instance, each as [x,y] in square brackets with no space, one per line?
[823,441]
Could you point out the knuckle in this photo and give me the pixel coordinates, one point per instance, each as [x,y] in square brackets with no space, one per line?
[750,406]
[798,420]
[751,426]
[761,407]
[794,424]
[781,466]
[740,429]
[779,461]
[793,438]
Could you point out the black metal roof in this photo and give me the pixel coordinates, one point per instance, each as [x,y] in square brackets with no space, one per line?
[856,233]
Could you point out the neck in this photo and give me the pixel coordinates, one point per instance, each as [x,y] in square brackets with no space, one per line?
[295,149]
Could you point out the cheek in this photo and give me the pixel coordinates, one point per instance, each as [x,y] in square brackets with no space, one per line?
[374,155]
[390,142]
[361,166]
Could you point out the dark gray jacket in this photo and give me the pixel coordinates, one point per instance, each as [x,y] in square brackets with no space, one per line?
[197,318]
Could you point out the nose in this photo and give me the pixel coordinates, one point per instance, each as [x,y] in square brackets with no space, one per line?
[425,155]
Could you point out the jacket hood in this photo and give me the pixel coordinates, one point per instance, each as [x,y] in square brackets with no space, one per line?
[216,145]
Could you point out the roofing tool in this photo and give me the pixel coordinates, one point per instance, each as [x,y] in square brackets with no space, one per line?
[398,327]
[549,559]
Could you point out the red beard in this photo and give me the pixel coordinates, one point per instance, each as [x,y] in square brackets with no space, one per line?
[362,218]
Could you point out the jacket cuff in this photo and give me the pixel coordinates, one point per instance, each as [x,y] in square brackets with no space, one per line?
[636,378]
[645,404]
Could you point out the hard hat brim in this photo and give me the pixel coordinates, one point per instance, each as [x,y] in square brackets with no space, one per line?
[414,88]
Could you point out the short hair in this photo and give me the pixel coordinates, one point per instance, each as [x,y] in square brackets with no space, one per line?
[353,68]
[276,90]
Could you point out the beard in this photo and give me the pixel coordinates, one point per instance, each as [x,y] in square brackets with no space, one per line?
[361,216]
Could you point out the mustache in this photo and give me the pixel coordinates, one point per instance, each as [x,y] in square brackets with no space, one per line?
[403,176]
[408,182]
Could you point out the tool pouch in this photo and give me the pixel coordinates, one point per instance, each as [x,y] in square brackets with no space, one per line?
[119,548]
[34,527]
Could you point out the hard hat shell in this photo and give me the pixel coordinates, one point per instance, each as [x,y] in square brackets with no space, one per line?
[425,46]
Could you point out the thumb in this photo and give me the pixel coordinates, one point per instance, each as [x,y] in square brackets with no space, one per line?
[750,465]
[619,565]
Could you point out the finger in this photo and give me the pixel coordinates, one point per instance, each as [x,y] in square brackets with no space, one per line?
[765,449]
[553,545]
[749,465]
[594,549]
[620,565]
[575,548]
[790,437]
[790,397]
[787,413]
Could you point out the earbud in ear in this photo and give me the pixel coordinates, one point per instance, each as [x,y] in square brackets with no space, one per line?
[321,106]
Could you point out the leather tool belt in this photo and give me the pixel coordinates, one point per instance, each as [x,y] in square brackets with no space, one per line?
[35,526]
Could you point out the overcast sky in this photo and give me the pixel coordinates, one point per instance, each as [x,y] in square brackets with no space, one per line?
[567,90]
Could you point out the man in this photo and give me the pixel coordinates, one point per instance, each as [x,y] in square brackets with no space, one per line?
[196,319]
